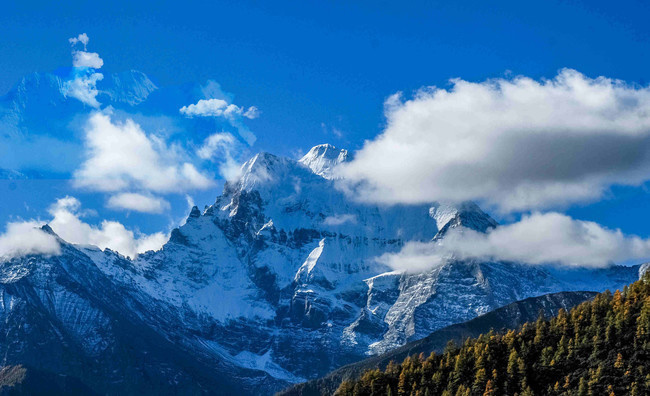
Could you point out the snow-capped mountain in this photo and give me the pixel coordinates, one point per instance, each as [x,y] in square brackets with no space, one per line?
[274,283]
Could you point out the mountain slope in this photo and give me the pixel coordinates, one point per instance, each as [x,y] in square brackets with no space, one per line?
[61,315]
[509,317]
[283,266]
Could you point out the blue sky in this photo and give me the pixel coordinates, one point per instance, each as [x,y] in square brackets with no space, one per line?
[320,71]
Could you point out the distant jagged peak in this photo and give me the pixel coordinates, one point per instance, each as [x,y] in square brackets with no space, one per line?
[46,228]
[131,87]
[194,213]
[323,159]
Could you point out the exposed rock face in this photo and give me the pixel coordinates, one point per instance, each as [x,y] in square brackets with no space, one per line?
[275,283]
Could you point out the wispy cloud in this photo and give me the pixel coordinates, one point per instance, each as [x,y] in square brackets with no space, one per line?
[340,219]
[222,148]
[143,203]
[82,39]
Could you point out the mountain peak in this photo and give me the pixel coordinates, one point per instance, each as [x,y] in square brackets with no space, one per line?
[48,229]
[466,214]
[322,159]
[258,170]
[195,212]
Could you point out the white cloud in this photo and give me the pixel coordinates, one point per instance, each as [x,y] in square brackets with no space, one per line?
[84,88]
[516,144]
[121,156]
[536,239]
[216,143]
[68,225]
[138,202]
[83,83]
[221,148]
[82,38]
[87,59]
[252,113]
[218,108]
[340,219]
[25,238]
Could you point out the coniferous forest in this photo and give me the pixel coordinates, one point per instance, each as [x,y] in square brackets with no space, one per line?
[601,347]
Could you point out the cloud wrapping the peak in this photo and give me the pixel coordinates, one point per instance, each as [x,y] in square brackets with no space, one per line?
[26,238]
[516,144]
[540,238]
[84,88]
[82,85]
[121,156]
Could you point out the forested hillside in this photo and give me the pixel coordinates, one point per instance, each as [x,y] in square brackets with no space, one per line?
[600,347]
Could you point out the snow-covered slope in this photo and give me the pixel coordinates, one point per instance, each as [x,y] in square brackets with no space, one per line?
[292,261]
[323,159]
[278,281]
[64,316]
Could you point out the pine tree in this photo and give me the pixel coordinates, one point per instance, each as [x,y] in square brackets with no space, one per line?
[582,388]
[490,389]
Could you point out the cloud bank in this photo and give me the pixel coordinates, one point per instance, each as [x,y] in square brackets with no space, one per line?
[549,238]
[516,144]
